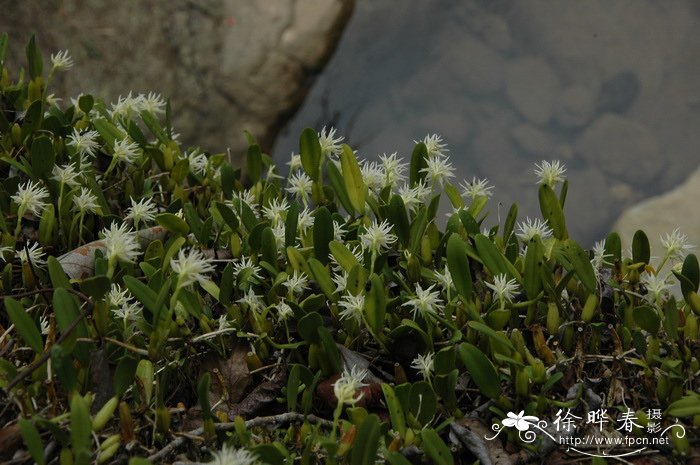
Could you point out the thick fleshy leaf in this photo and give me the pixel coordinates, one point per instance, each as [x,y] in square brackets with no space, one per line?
[323,234]
[641,251]
[647,318]
[458,265]
[552,211]
[436,448]
[310,151]
[481,370]
[25,326]
[367,442]
[352,178]
[419,161]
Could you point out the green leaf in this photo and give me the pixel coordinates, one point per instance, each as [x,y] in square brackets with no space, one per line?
[142,292]
[352,177]
[34,61]
[69,311]
[613,246]
[574,258]
[493,258]
[268,247]
[338,184]
[308,327]
[686,406]
[458,265]
[124,375]
[436,448]
[532,273]
[96,286]
[62,365]
[310,151]
[399,218]
[330,350]
[496,336]
[418,227]
[254,163]
[227,215]
[56,273]
[375,306]
[469,223]
[153,125]
[366,443]
[3,48]
[396,458]
[291,225]
[481,370]
[322,277]
[85,103]
[203,394]
[144,377]
[108,131]
[647,318]
[32,440]
[552,211]
[510,222]
[419,161]
[24,325]
[43,156]
[323,234]
[343,256]
[173,223]
[398,420]
[691,270]
[641,251]
[423,402]
[293,387]
[80,425]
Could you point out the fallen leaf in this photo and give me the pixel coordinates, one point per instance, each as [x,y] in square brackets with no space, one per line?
[10,441]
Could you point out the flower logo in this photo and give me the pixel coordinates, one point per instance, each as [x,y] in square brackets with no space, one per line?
[521,421]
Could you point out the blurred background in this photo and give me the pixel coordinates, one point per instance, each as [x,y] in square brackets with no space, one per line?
[609,87]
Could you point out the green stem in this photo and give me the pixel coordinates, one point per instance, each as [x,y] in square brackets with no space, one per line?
[18,228]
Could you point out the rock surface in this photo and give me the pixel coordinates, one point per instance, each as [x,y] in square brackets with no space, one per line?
[662,214]
[227,65]
[533,88]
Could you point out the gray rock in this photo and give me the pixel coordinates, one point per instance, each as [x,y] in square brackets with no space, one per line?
[622,148]
[575,106]
[227,65]
[539,144]
[491,28]
[469,63]
[533,88]
[661,214]
[618,93]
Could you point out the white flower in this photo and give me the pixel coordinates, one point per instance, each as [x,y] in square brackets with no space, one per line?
[438,170]
[424,364]
[33,254]
[477,188]
[44,325]
[347,385]
[338,231]
[294,162]
[550,173]
[300,185]
[528,229]
[340,279]
[296,283]
[126,151]
[305,220]
[284,311]
[503,289]
[66,175]
[656,286]
[121,243]
[373,175]
[433,143]
[198,162]
[377,236]
[126,106]
[152,103]
[330,145]
[394,170]
[352,307]
[30,198]
[280,233]
[85,144]
[599,256]
[676,244]
[246,264]
[118,296]
[191,267]
[52,100]
[141,211]
[231,456]
[444,278]
[223,323]
[414,196]
[85,202]
[61,61]
[275,209]
[251,299]
[127,311]
[427,302]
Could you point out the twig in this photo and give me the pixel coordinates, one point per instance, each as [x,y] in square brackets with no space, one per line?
[127,346]
[283,418]
[40,361]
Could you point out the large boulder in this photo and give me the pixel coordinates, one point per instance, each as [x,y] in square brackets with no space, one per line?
[660,215]
[227,65]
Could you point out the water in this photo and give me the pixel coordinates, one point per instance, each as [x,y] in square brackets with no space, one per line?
[609,88]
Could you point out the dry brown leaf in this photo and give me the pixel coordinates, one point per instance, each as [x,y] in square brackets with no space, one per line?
[230,378]
[10,441]
[79,263]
